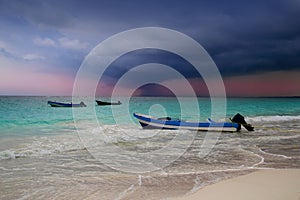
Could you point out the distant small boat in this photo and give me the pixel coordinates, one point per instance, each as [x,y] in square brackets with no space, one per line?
[58,104]
[148,122]
[104,103]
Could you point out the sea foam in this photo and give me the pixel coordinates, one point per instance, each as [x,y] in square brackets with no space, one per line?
[275,118]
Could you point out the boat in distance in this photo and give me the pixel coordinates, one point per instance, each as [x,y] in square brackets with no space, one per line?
[66,105]
[149,122]
[104,103]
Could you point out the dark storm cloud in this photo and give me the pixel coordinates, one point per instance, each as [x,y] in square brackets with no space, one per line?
[243,37]
[257,37]
[48,13]
[139,57]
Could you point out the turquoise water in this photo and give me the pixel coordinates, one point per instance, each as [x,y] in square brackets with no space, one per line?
[264,106]
[33,116]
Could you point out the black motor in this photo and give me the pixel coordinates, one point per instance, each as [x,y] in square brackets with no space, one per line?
[239,119]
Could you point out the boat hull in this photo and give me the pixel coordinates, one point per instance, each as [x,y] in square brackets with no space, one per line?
[103,103]
[148,122]
[65,105]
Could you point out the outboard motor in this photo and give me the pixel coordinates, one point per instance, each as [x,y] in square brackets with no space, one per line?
[82,104]
[239,119]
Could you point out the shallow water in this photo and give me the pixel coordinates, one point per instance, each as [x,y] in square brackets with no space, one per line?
[44,156]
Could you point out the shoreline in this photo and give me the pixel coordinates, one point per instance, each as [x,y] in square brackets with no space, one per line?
[264,184]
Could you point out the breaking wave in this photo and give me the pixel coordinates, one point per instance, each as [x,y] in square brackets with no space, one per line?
[275,118]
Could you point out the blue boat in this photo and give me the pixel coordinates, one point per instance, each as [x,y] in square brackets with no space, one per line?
[149,122]
[58,104]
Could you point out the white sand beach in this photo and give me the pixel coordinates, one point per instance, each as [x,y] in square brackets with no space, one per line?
[277,184]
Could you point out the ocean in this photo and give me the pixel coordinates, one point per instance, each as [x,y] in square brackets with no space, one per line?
[101,152]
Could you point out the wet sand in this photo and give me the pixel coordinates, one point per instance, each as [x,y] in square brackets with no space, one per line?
[271,184]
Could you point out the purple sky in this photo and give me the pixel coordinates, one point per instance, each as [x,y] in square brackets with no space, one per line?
[255,44]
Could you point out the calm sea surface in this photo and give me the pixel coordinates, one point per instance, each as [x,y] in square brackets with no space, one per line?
[44,154]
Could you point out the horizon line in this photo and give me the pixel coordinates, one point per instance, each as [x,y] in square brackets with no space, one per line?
[168,96]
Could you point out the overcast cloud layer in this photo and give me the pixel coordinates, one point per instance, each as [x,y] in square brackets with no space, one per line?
[51,37]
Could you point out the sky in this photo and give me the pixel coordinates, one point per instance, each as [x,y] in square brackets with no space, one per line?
[255,44]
